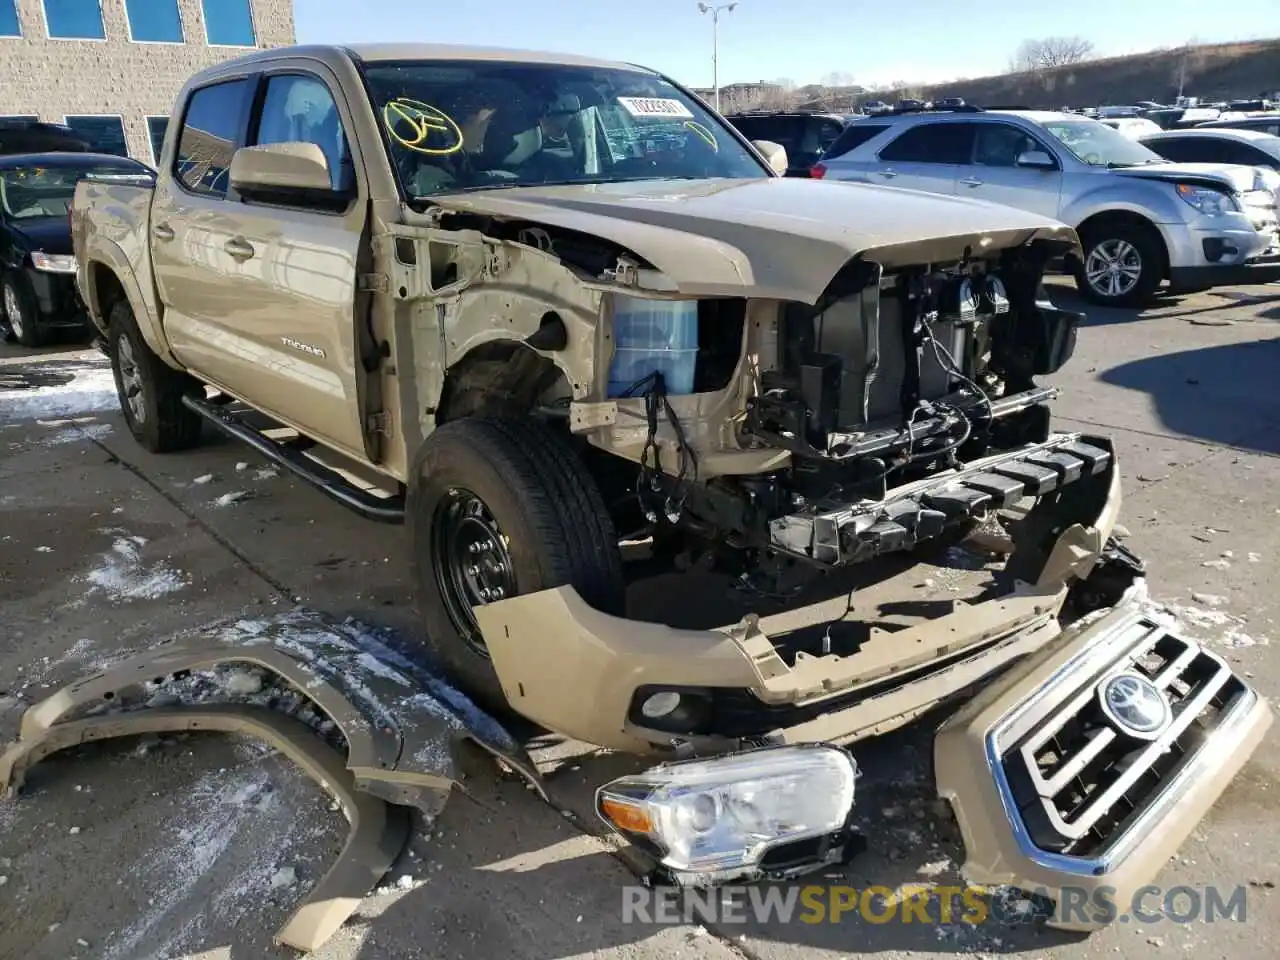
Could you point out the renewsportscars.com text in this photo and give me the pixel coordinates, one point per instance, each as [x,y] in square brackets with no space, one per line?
[927,904]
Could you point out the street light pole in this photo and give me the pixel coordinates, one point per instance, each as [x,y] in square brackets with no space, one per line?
[715,12]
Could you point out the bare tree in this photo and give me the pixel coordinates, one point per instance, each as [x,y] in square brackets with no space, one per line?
[1190,60]
[837,78]
[1049,52]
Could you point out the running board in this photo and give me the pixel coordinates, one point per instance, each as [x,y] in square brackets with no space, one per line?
[290,456]
[921,511]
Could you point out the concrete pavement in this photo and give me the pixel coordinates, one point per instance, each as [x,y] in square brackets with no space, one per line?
[184,847]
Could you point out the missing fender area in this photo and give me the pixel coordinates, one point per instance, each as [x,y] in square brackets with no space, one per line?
[373,730]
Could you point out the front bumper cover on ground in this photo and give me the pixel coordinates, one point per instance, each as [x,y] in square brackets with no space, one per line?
[374,731]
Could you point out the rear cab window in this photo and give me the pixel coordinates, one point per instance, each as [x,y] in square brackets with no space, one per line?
[208,137]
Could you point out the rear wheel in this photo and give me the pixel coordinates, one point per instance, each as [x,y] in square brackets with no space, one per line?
[20,313]
[150,390]
[500,508]
[1123,264]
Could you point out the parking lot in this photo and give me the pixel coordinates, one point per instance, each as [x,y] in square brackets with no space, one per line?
[194,846]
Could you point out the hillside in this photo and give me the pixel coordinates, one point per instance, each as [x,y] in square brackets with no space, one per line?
[1212,71]
[1216,72]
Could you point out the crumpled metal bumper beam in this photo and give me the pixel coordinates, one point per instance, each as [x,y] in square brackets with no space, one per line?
[922,510]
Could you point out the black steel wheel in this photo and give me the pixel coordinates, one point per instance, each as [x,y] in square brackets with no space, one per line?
[471,562]
[500,508]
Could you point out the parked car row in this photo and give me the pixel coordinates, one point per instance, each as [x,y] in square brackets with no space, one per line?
[1142,219]
[38,298]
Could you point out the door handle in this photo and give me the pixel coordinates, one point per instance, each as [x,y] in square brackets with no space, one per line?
[239,248]
[971,182]
[888,174]
[162,231]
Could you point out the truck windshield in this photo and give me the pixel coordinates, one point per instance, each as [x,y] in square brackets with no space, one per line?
[1098,145]
[477,125]
[28,192]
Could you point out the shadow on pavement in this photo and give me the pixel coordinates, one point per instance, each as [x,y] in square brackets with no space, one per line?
[1224,394]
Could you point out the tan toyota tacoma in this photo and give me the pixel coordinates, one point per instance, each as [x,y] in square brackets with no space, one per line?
[554,313]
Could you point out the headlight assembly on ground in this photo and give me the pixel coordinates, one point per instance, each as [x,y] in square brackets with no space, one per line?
[715,819]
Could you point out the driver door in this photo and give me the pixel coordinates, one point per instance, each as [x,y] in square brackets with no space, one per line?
[995,175]
[294,268]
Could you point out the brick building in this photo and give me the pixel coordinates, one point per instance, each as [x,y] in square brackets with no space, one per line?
[110,69]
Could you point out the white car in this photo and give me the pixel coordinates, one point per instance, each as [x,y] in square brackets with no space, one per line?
[1142,220]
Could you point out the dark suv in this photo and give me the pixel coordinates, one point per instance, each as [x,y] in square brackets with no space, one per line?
[806,136]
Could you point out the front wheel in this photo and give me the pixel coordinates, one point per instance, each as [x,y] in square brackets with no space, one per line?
[500,508]
[1123,265]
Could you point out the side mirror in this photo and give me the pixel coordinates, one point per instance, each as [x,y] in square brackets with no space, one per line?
[275,168]
[775,154]
[1036,160]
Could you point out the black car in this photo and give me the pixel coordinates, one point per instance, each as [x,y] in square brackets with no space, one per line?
[34,136]
[805,136]
[37,267]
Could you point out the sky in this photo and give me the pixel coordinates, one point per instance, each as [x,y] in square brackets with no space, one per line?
[918,41]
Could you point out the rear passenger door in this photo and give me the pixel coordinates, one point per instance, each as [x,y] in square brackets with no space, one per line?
[190,225]
[927,156]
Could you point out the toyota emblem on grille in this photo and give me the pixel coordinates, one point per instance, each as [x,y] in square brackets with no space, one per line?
[1135,705]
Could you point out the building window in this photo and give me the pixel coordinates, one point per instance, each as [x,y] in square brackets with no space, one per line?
[207,141]
[18,119]
[9,25]
[74,19]
[156,127]
[229,23]
[105,134]
[154,21]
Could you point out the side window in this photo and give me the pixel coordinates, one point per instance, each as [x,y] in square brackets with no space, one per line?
[1000,144]
[1178,151]
[208,137]
[828,133]
[854,135]
[932,143]
[1234,152]
[299,108]
[784,131]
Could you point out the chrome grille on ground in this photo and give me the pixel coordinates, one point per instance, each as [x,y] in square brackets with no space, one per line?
[1080,777]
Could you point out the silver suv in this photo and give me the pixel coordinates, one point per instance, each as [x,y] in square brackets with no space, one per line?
[1141,219]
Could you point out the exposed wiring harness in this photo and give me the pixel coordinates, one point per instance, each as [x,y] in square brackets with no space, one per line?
[649,482]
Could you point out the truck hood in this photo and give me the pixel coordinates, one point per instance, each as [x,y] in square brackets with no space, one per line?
[774,238]
[1235,176]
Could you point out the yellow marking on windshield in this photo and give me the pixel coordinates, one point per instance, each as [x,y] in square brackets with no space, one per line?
[423,122]
[704,133]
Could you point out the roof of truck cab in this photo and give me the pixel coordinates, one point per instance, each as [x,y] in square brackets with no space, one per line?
[383,52]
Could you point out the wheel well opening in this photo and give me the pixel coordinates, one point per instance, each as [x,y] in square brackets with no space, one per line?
[499,379]
[1115,219]
[107,288]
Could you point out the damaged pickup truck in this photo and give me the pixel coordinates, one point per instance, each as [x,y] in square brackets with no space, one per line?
[548,310]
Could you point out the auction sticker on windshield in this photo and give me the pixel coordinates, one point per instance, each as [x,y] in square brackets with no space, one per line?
[654,107]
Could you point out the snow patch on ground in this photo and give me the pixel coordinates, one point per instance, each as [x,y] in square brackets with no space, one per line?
[225,809]
[227,499]
[75,434]
[121,574]
[1207,621]
[91,390]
